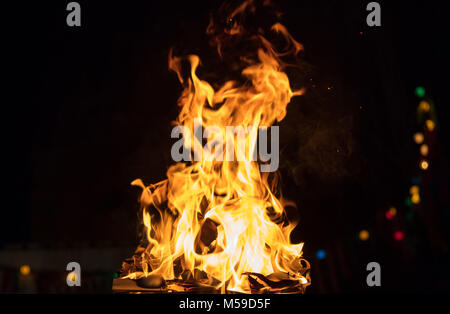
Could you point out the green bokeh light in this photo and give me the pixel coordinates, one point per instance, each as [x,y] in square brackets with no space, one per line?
[408,202]
[409,216]
[419,91]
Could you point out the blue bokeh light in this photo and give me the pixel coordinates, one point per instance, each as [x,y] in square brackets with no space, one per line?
[321,254]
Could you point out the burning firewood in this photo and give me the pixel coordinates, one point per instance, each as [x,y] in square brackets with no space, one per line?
[218,222]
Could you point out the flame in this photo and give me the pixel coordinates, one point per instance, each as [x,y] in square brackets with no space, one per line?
[223,218]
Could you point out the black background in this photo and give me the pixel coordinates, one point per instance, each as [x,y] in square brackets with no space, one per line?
[87,110]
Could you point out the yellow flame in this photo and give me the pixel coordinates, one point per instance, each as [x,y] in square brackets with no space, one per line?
[224,218]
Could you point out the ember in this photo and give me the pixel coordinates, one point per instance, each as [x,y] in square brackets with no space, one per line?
[214,225]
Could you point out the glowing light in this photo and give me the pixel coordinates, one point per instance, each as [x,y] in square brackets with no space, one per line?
[418,137]
[364,235]
[424,106]
[223,219]
[430,125]
[424,149]
[321,254]
[25,270]
[419,91]
[409,215]
[408,202]
[424,165]
[415,199]
[393,211]
[399,235]
[414,190]
[390,214]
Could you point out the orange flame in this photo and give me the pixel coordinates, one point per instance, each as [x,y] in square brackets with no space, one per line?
[223,217]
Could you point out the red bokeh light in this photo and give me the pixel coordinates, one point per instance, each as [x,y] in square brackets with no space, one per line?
[389,215]
[399,235]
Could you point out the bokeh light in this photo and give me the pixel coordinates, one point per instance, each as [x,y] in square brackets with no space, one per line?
[416,180]
[424,106]
[415,199]
[321,254]
[418,138]
[430,125]
[364,235]
[424,149]
[25,270]
[424,165]
[419,91]
[414,189]
[408,202]
[409,215]
[390,214]
[73,276]
[399,235]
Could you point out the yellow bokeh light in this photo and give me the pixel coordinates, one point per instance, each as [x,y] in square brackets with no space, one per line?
[414,190]
[424,106]
[25,270]
[430,125]
[364,235]
[424,149]
[424,165]
[415,199]
[393,211]
[418,137]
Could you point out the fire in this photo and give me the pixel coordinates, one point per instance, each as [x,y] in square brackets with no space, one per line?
[222,220]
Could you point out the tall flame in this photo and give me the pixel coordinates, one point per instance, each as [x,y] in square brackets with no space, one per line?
[223,218]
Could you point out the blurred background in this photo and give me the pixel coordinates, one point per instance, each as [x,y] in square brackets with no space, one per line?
[364,154]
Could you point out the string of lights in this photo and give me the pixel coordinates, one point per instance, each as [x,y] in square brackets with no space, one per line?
[426,127]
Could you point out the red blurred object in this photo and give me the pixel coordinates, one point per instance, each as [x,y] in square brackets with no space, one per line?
[399,235]
[389,215]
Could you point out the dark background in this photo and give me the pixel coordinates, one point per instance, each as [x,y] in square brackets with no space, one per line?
[87,110]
